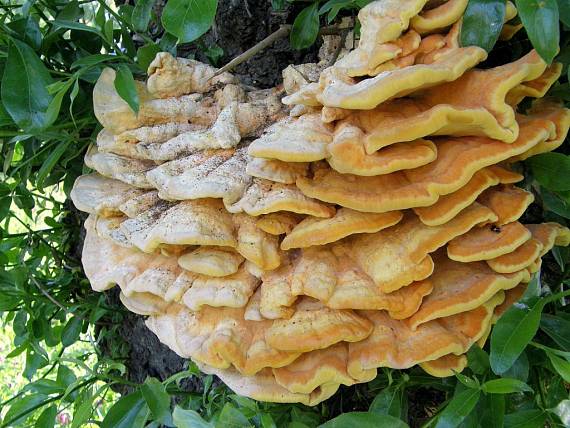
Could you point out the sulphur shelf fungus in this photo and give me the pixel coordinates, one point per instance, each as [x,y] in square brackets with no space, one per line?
[372,219]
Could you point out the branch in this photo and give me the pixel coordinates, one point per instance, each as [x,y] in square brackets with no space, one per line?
[283,31]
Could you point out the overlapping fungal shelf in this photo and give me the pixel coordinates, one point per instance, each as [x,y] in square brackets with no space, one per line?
[367,219]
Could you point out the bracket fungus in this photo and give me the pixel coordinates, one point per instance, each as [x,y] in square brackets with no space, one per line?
[370,220]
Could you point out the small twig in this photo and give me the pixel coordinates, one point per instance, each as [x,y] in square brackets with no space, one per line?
[247,9]
[60,305]
[283,31]
[49,296]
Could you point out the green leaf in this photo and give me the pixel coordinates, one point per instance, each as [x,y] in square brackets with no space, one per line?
[562,256]
[564,11]
[214,54]
[71,331]
[55,104]
[28,31]
[278,5]
[146,53]
[141,15]
[489,412]
[558,329]
[47,418]
[267,421]
[305,27]
[50,162]
[21,409]
[482,23]
[333,7]
[562,410]
[505,386]
[130,411]
[478,360]
[126,87]
[525,419]
[91,60]
[540,19]
[364,420]
[458,408]
[158,400]
[230,416]
[65,376]
[512,333]
[45,386]
[551,170]
[555,203]
[469,382]
[188,19]
[24,87]
[72,25]
[189,419]
[388,402]
[520,368]
[34,361]
[84,408]
[560,365]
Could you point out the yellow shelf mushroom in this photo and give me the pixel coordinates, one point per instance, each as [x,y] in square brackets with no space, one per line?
[370,220]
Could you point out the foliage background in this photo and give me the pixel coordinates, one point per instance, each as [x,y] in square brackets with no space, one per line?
[62,358]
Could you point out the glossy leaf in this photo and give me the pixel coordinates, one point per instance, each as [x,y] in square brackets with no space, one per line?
[24,87]
[28,31]
[55,104]
[551,170]
[47,418]
[520,368]
[91,60]
[564,11]
[478,360]
[126,87]
[305,27]
[458,408]
[189,419]
[188,19]
[158,400]
[525,419]
[20,409]
[489,412]
[333,7]
[146,53]
[540,19]
[467,381]
[482,23]
[558,329]
[512,333]
[34,361]
[388,402]
[278,5]
[505,386]
[71,331]
[562,410]
[555,203]
[130,411]
[141,14]
[231,416]
[560,365]
[364,420]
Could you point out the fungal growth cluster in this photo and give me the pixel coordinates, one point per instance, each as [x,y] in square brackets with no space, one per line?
[367,219]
